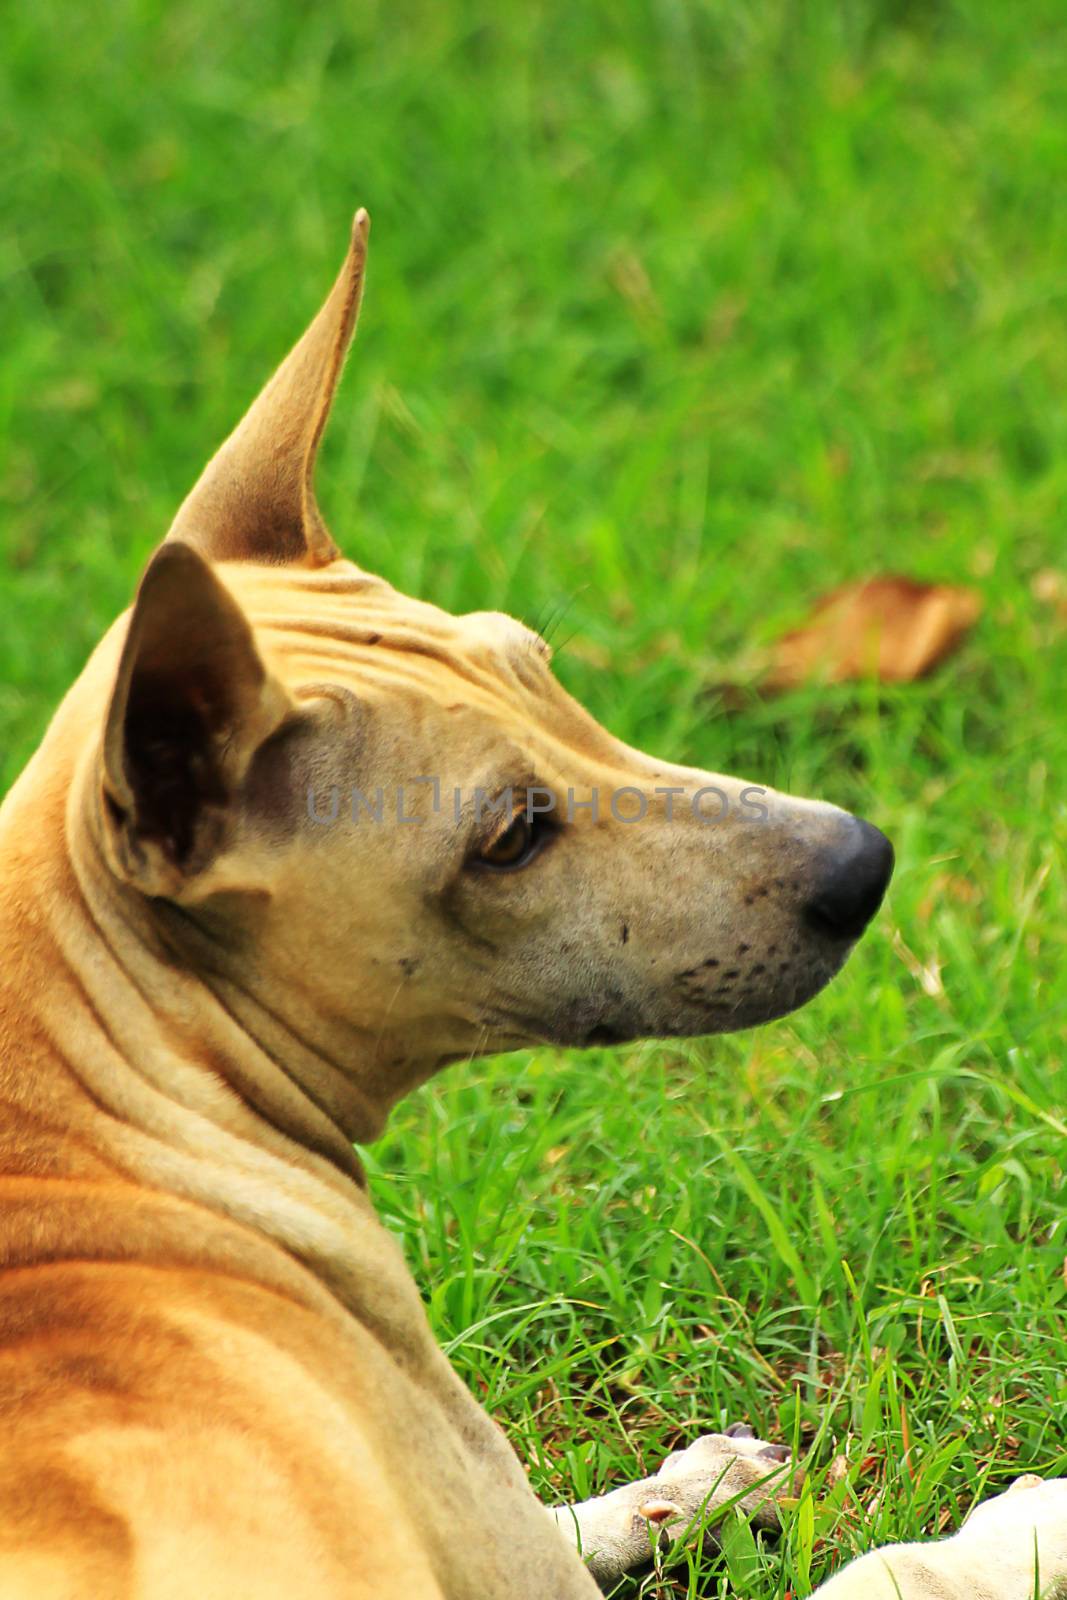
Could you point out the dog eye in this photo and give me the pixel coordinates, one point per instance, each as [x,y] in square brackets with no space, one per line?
[517,844]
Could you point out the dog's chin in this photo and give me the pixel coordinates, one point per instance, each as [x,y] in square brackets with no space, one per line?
[587,1023]
[700,1018]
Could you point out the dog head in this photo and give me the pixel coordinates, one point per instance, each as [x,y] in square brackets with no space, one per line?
[395,825]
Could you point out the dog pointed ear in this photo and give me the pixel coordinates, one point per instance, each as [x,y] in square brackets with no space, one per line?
[255,500]
[192,704]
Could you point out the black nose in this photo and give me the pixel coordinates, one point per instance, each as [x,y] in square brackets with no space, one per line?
[853,885]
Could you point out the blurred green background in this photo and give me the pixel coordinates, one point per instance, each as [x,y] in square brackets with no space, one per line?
[678,314]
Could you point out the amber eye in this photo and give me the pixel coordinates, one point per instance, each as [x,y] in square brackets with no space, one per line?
[511,846]
[517,844]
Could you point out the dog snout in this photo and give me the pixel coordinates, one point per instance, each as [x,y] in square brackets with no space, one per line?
[853,883]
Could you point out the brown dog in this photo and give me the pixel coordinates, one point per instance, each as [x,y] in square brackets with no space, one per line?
[292,843]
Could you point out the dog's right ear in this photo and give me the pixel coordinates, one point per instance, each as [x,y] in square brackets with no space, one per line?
[192,703]
[255,499]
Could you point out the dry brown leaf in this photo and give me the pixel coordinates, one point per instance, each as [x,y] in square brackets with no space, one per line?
[890,628]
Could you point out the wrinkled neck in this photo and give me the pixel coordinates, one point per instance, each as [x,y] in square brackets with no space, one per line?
[99,1008]
[120,1059]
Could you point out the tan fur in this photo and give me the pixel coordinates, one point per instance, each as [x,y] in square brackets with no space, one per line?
[1013,1547]
[216,1376]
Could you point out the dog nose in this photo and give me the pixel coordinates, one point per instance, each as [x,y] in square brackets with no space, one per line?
[852,889]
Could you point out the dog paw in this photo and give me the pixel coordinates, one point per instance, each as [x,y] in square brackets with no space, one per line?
[1013,1546]
[719,1470]
[693,1489]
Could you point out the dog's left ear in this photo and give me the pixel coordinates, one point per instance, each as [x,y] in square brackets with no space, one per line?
[255,500]
[192,703]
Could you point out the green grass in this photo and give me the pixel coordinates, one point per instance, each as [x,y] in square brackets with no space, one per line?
[678,315]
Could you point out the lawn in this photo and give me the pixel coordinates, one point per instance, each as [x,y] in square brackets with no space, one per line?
[678,315]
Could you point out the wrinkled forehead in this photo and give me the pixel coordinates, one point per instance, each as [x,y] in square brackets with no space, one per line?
[339,624]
